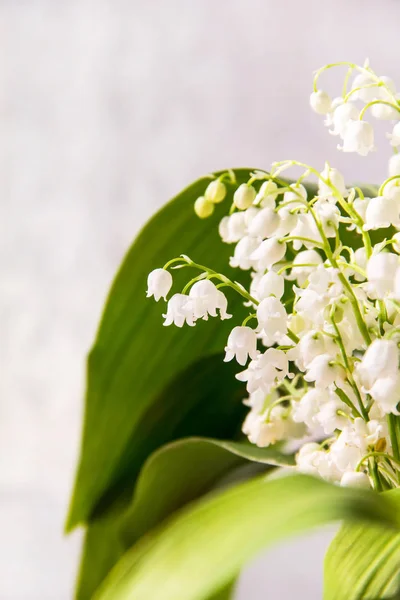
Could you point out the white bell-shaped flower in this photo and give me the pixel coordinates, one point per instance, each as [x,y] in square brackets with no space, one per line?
[268,253]
[355,479]
[386,393]
[323,371]
[392,191]
[384,112]
[328,215]
[396,285]
[244,196]
[342,116]
[266,197]
[313,461]
[270,284]
[358,137]
[360,260]
[381,271]
[346,451]
[305,228]
[205,299]
[306,409]
[179,311]
[360,205]
[287,223]
[320,102]
[265,371]
[331,415]
[159,283]
[272,317]
[394,165]
[297,196]
[382,212]
[242,343]
[368,86]
[380,360]
[311,345]
[334,177]
[394,137]
[233,228]
[265,223]
[244,252]
[306,257]
[264,433]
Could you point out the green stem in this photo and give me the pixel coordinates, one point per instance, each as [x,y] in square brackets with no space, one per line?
[393,426]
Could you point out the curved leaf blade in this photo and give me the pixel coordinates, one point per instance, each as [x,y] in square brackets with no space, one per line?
[203,548]
[363,563]
[134,358]
[184,470]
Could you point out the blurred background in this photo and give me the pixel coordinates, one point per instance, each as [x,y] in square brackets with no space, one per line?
[107,109]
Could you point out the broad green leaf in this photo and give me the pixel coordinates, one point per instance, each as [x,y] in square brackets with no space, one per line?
[363,563]
[226,594]
[202,549]
[184,470]
[171,477]
[135,358]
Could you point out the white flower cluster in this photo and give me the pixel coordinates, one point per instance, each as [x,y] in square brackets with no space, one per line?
[344,115]
[322,359]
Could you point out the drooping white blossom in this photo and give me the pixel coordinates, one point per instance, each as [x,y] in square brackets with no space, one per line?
[394,137]
[265,223]
[272,317]
[358,137]
[179,311]
[243,256]
[268,253]
[269,284]
[242,344]
[205,299]
[320,102]
[381,271]
[381,212]
[265,370]
[159,283]
[342,116]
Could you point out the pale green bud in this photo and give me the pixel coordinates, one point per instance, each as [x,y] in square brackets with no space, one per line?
[215,192]
[244,196]
[203,207]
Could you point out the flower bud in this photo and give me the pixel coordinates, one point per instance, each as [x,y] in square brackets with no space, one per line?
[203,207]
[320,102]
[244,196]
[215,192]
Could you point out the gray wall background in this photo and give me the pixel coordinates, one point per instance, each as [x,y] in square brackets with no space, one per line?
[107,109]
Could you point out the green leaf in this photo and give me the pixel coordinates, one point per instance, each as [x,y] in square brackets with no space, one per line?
[226,594]
[134,358]
[202,549]
[363,563]
[183,471]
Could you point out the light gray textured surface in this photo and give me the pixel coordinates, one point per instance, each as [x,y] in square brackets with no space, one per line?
[107,109]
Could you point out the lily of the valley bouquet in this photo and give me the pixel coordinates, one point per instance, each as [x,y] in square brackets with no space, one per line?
[269,403]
